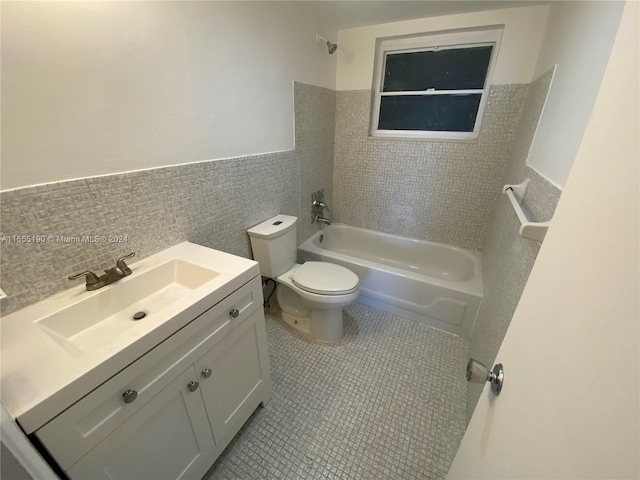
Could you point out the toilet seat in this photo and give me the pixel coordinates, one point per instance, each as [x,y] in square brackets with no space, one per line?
[325,279]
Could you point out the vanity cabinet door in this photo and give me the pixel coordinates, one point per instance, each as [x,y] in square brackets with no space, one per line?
[169,438]
[234,376]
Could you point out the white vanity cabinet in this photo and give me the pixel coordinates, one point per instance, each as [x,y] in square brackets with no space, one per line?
[170,414]
[166,439]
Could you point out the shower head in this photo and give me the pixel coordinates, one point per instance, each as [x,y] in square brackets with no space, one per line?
[331,47]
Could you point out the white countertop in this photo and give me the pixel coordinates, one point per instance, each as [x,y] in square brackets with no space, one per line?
[40,377]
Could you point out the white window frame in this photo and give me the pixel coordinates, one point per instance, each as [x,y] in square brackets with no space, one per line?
[429,42]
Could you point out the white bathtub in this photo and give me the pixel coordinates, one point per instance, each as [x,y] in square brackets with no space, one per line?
[432,283]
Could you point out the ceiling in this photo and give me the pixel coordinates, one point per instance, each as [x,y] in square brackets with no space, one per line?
[350,14]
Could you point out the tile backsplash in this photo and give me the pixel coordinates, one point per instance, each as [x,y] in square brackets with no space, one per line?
[209,203]
[430,190]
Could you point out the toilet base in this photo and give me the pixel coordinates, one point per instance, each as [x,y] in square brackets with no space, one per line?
[299,323]
[324,324]
[327,325]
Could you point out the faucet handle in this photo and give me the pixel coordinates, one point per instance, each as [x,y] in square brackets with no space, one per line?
[123,266]
[92,278]
[319,204]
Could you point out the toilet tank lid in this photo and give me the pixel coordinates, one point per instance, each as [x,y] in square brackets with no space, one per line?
[273,227]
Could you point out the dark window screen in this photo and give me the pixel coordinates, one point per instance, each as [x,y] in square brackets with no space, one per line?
[447,69]
[450,113]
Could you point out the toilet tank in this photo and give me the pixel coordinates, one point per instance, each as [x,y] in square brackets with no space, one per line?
[274,244]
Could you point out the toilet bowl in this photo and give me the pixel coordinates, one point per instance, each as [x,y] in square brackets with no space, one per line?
[311,295]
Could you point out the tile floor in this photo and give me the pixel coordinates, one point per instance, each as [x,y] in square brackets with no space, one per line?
[386,402]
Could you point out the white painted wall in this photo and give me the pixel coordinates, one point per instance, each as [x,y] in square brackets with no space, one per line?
[91,88]
[578,38]
[569,406]
[524,28]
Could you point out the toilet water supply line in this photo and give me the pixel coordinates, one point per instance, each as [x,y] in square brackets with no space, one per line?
[265,281]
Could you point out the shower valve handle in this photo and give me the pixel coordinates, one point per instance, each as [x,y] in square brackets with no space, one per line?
[318,204]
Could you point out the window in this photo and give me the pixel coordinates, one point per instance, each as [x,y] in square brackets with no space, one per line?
[433,86]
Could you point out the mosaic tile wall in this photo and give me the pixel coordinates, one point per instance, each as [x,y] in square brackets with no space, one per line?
[209,203]
[507,258]
[315,109]
[439,191]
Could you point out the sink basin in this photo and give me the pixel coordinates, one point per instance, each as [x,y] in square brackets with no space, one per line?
[98,320]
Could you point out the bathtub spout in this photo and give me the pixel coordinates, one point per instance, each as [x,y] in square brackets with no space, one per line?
[319,219]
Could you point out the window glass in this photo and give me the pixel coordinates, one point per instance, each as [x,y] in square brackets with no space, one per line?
[443,113]
[433,85]
[441,69]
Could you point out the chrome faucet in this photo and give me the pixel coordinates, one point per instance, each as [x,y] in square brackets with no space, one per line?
[317,208]
[318,219]
[93,282]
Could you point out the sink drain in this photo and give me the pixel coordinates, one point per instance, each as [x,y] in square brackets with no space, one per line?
[139,315]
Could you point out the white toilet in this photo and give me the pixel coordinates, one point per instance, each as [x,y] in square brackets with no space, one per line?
[311,295]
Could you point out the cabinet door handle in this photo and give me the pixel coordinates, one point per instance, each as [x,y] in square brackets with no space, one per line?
[129,396]
[206,372]
[193,386]
[234,313]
